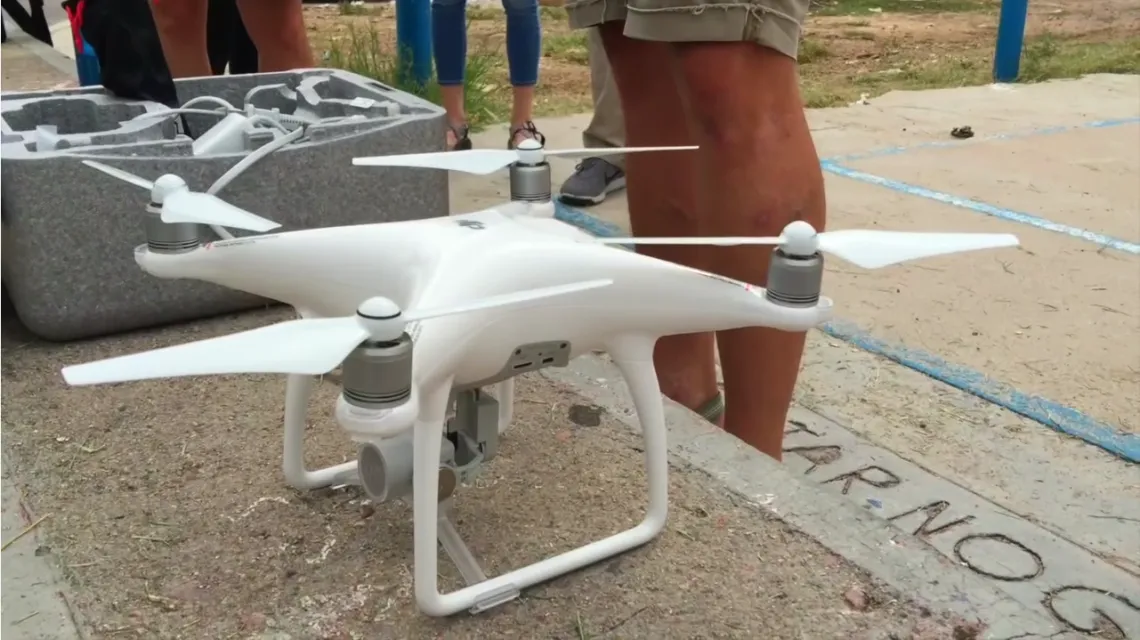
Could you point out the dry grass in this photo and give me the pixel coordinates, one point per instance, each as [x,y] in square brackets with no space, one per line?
[851,48]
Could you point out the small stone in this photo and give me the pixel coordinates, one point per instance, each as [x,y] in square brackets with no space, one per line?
[856,598]
[367,511]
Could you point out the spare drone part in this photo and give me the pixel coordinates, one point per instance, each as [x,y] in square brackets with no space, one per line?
[257,154]
[530,183]
[224,137]
[487,161]
[378,374]
[864,248]
[385,468]
[794,281]
[47,138]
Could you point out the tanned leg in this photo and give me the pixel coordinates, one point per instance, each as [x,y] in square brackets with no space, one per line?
[660,189]
[181,28]
[758,172]
[277,29]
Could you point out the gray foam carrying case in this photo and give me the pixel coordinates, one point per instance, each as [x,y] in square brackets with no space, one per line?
[69,231]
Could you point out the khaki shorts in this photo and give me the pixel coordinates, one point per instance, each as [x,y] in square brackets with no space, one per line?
[771,23]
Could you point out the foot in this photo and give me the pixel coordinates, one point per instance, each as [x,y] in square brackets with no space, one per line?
[457,137]
[593,178]
[525,131]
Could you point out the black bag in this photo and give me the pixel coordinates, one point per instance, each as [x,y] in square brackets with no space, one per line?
[125,39]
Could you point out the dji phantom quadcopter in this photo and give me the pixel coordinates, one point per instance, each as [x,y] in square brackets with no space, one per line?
[478,298]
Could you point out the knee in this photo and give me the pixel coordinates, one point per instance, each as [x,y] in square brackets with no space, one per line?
[751,93]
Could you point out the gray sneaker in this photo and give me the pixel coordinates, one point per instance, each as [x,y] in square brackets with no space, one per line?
[593,178]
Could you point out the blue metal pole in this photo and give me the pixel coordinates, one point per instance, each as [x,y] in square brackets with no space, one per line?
[1010,39]
[413,40]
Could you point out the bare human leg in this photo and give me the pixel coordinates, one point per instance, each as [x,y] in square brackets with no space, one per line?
[522,111]
[181,28]
[452,97]
[662,198]
[758,171]
[277,29]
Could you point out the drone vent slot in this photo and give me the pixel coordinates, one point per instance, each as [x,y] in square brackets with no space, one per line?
[538,355]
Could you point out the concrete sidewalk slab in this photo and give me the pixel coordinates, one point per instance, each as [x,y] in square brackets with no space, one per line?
[1084,178]
[1006,313]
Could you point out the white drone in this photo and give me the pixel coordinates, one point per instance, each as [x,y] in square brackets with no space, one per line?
[479,298]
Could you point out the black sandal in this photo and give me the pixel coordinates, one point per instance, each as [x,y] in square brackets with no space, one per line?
[462,139]
[531,132]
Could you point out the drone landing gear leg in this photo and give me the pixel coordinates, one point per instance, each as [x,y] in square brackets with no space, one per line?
[431,527]
[297,392]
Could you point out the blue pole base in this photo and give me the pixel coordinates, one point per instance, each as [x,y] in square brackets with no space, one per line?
[1010,40]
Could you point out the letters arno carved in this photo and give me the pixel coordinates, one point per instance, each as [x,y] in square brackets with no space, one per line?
[930,513]
[817,455]
[888,480]
[1102,623]
[1038,563]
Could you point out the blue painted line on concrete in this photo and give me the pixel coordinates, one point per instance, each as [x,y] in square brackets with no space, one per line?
[981,207]
[961,144]
[1051,414]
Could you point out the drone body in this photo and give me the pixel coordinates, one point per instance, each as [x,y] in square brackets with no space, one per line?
[479,298]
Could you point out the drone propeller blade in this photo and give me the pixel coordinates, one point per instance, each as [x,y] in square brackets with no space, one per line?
[307,347]
[125,176]
[203,208]
[728,241]
[516,298]
[864,248]
[477,161]
[874,249]
[487,161]
[609,151]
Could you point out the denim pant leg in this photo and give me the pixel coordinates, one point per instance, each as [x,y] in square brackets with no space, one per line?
[524,41]
[449,40]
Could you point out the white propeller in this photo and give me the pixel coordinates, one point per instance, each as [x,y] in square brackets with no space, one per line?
[864,248]
[486,161]
[306,347]
[180,204]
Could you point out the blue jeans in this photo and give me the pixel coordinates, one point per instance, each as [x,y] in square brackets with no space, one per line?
[449,40]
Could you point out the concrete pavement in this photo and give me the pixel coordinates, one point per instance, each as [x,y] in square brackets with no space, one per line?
[1027,550]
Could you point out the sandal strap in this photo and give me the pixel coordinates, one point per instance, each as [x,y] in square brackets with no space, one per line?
[530,130]
[713,409]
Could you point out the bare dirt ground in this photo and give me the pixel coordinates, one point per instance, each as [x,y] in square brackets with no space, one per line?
[169,517]
[843,56]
